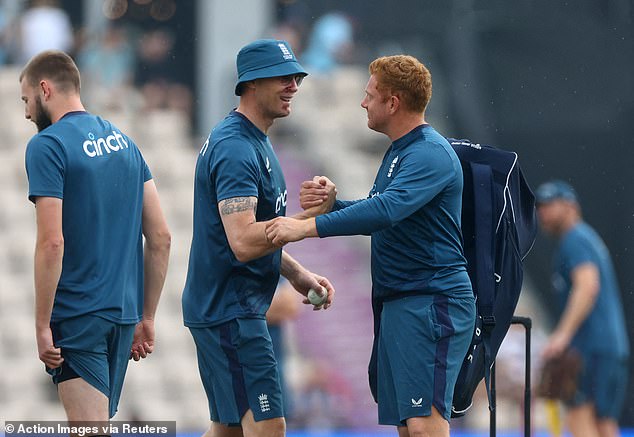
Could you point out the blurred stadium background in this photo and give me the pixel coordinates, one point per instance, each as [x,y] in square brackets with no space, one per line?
[552,80]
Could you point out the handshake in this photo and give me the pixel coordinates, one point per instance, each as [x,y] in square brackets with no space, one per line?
[316,197]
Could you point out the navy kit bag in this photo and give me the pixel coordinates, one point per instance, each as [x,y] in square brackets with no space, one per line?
[498,228]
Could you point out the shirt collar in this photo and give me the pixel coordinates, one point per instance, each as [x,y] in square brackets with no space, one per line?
[409,137]
[71,113]
[261,135]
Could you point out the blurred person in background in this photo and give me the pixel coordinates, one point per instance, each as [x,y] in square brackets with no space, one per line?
[107,64]
[43,26]
[6,30]
[96,288]
[591,317]
[419,275]
[157,75]
[330,43]
[233,269]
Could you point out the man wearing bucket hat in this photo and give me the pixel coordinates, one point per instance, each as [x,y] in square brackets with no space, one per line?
[233,269]
[591,317]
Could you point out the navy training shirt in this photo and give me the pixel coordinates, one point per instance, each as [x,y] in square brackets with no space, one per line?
[413,215]
[99,173]
[603,330]
[237,160]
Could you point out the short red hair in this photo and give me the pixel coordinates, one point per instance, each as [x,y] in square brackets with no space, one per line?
[405,77]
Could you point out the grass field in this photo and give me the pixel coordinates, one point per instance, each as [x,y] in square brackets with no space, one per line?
[391,432]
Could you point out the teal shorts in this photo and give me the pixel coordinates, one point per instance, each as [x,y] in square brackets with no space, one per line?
[602,382]
[423,340]
[96,350]
[239,371]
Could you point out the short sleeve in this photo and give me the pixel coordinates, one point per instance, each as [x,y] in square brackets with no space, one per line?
[45,165]
[577,251]
[147,174]
[235,171]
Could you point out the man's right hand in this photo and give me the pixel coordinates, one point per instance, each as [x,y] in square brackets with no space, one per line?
[48,353]
[317,196]
[143,342]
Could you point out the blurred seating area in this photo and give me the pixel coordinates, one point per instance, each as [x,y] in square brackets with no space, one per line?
[326,134]
[27,392]
[334,344]
[329,350]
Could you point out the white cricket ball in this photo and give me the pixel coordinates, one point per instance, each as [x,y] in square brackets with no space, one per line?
[316,298]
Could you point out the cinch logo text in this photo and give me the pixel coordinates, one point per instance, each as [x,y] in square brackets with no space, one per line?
[280,201]
[96,146]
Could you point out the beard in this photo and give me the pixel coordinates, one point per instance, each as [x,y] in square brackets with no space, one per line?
[42,116]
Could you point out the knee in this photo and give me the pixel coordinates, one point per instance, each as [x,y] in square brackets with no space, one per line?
[266,428]
[430,426]
[277,427]
[421,432]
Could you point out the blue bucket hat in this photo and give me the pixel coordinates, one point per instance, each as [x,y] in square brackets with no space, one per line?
[555,190]
[266,58]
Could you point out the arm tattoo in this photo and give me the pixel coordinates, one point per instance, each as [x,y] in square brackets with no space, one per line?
[237,204]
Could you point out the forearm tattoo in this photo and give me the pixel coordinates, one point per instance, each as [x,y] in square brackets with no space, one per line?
[238,204]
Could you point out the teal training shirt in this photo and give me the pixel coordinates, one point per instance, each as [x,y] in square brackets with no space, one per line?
[603,330]
[413,215]
[99,174]
[237,160]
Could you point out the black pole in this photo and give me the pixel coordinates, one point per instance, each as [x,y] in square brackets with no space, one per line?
[527,323]
[492,407]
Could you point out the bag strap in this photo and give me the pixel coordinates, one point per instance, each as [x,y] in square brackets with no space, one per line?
[485,272]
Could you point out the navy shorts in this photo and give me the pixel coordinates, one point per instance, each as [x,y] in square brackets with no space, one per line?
[239,371]
[95,350]
[602,382]
[423,340]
